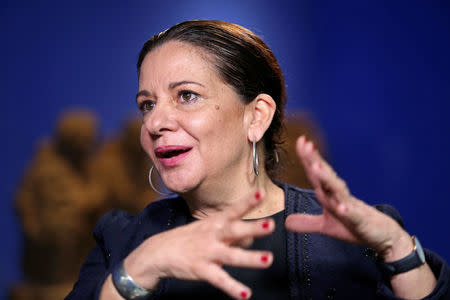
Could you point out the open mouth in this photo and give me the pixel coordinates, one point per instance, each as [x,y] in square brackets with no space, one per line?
[171,151]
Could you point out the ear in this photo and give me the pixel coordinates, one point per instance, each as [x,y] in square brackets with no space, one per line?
[260,114]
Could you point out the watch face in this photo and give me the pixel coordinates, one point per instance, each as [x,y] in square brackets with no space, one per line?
[419,250]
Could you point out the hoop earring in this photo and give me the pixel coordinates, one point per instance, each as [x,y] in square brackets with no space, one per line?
[151,183]
[255,159]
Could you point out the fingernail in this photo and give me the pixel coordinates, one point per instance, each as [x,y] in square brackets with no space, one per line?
[244,295]
[258,195]
[320,165]
[265,258]
[265,224]
[313,146]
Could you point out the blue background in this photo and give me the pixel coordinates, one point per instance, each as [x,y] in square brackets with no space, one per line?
[374,74]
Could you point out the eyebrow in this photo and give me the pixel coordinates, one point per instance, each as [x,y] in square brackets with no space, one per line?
[142,93]
[172,85]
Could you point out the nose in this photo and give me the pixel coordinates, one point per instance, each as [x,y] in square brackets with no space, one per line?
[162,118]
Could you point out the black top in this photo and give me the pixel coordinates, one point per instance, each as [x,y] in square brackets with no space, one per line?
[319,267]
[270,283]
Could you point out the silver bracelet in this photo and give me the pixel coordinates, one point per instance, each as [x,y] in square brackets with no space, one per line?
[126,286]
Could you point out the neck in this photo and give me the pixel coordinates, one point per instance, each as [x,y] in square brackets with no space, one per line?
[210,200]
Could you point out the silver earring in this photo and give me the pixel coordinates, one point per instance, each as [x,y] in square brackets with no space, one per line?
[151,183]
[255,159]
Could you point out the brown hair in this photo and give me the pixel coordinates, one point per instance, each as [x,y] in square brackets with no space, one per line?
[243,61]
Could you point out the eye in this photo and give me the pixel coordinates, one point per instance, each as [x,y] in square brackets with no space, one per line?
[187,96]
[146,106]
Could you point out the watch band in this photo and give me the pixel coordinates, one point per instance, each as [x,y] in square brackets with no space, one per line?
[415,259]
[126,286]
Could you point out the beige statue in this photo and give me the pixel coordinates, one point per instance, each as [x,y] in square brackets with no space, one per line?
[291,170]
[55,204]
[120,171]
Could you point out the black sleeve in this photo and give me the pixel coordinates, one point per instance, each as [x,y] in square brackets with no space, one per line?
[96,267]
[439,267]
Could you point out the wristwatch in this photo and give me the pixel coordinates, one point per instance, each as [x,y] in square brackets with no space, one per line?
[412,261]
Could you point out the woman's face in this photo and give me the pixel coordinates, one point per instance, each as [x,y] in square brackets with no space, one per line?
[194,125]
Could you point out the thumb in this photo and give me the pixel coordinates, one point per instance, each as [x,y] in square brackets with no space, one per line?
[303,223]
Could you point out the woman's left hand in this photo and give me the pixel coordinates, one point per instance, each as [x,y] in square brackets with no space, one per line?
[349,219]
[344,216]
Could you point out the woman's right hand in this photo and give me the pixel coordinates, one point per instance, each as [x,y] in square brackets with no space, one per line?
[198,251]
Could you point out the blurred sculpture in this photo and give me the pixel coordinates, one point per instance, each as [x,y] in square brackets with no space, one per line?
[120,171]
[291,170]
[55,204]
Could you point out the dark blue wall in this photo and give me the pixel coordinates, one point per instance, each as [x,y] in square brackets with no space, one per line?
[375,74]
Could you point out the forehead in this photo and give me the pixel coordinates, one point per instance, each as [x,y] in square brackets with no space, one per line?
[176,60]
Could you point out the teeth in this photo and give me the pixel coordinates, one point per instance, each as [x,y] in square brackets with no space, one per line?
[169,154]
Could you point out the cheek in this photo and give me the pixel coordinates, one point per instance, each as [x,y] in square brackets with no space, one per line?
[146,141]
[206,128]
[217,134]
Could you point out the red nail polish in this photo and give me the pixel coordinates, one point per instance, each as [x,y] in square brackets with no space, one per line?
[265,224]
[244,295]
[258,195]
[264,258]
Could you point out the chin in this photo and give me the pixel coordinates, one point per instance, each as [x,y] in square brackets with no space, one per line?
[181,189]
[181,185]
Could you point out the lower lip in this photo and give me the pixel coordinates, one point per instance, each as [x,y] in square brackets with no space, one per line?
[173,161]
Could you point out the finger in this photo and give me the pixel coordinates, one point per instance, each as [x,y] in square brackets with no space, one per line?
[243,243]
[301,149]
[238,230]
[325,181]
[330,185]
[355,212]
[305,149]
[334,194]
[216,276]
[307,155]
[238,257]
[303,223]
[310,157]
[241,208]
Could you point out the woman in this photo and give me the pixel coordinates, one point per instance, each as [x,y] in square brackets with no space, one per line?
[212,97]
